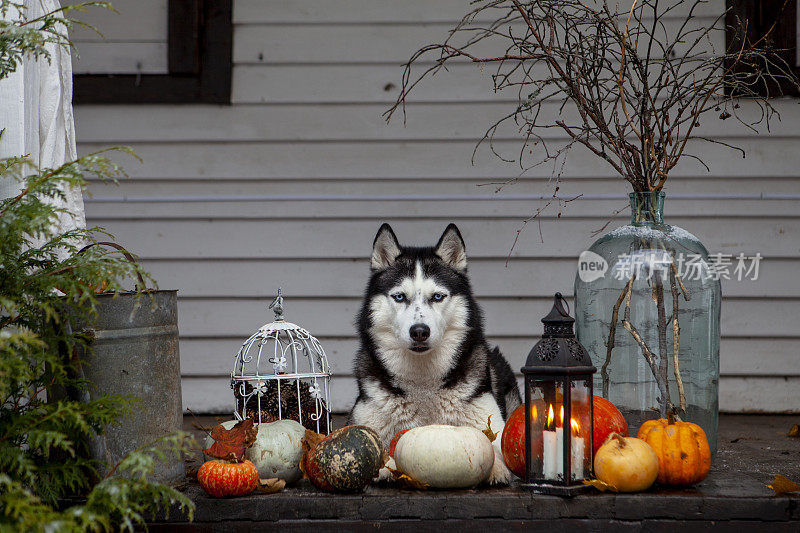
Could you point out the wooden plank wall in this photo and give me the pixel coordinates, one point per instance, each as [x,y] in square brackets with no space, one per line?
[132,38]
[287,187]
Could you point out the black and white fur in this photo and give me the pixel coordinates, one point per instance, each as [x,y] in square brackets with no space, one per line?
[423,357]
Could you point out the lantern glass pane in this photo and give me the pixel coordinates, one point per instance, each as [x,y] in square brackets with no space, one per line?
[545,406]
[581,429]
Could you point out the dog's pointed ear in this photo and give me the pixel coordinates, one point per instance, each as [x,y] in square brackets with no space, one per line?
[385,248]
[451,248]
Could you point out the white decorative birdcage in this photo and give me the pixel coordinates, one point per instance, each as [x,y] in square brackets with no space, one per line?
[282,372]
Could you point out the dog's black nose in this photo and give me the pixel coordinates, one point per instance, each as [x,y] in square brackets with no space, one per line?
[419,332]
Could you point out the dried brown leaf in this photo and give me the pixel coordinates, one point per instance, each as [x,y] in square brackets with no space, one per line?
[406,481]
[782,485]
[310,439]
[230,444]
[795,431]
[602,486]
[271,485]
[488,431]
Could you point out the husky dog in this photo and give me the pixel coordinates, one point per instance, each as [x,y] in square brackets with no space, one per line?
[423,357]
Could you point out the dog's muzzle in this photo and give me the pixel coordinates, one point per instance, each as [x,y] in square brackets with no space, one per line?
[419,333]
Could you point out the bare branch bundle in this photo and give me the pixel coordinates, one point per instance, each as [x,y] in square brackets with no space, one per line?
[636,80]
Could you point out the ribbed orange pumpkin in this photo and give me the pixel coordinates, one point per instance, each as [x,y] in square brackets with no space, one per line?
[222,478]
[684,457]
[607,420]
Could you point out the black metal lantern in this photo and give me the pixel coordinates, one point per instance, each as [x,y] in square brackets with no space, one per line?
[558,408]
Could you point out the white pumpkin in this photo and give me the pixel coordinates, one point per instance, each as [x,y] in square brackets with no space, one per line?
[278,450]
[445,457]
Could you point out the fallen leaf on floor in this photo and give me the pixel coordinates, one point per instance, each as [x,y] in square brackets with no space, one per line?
[271,485]
[795,431]
[782,485]
[602,486]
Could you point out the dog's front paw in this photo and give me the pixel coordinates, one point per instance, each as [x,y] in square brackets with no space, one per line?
[500,474]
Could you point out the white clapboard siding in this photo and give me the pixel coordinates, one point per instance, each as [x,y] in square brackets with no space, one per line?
[490,237]
[121,58]
[368,82]
[287,186]
[362,122]
[127,20]
[174,190]
[377,11]
[310,278]
[397,207]
[424,158]
[387,43]
[132,38]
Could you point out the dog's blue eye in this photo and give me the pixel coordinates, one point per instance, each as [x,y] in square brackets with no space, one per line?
[437,297]
[399,297]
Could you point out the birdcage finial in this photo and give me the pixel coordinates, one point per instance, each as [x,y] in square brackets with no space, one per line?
[277,306]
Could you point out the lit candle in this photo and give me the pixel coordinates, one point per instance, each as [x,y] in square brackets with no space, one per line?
[553,448]
[577,451]
[551,443]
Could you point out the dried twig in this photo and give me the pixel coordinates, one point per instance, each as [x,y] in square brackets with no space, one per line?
[686,294]
[664,400]
[676,333]
[663,361]
[613,332]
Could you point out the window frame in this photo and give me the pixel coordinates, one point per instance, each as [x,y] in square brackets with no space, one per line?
[199,52]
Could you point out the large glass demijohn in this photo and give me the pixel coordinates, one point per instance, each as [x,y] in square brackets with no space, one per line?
[647,306]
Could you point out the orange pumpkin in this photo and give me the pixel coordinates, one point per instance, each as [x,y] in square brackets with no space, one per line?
[607,420]
[684,457]
[512,443]
[222,478]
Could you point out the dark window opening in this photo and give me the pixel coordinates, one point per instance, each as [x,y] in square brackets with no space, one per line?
[200,40]
[772,25]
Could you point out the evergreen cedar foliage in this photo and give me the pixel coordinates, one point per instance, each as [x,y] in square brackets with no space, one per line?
[43,455]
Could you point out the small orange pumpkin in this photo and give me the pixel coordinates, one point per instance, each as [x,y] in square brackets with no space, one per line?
[684,457]
[222,478]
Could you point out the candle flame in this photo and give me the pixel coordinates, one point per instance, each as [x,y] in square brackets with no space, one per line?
[561,417]
[576,428]
[550,416]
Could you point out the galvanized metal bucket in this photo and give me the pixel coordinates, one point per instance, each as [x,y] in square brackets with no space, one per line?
[134,352]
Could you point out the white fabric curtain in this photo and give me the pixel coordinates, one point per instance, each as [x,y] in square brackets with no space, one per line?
[36,113]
